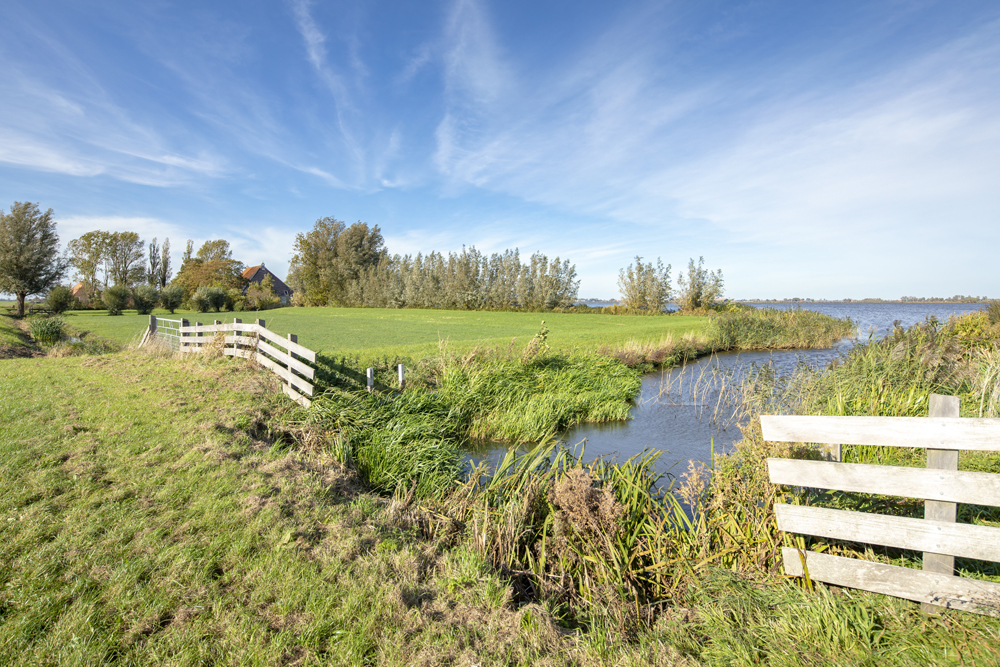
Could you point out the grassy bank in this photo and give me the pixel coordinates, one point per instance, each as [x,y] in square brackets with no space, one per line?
[14,341]
[153,514]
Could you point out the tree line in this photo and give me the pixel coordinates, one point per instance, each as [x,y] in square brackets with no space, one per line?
[337,265]
[333,265]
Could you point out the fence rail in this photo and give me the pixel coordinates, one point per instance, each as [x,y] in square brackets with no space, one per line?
[282,356]
[941,485]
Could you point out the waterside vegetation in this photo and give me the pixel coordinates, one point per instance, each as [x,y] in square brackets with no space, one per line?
[350,533]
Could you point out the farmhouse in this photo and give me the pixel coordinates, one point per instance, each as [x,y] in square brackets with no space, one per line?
[255,274]
[81,293]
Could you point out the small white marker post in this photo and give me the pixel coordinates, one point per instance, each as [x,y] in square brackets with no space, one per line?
[371,380]
[402,377]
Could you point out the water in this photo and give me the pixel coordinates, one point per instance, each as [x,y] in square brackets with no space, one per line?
[683,411]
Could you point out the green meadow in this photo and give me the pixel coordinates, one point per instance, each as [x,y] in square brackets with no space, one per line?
[415,333]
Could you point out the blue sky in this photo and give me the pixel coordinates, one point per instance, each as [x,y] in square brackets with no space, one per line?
[819,150]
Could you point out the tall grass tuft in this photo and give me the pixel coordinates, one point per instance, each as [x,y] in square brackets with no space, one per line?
[770,328]
[47,330]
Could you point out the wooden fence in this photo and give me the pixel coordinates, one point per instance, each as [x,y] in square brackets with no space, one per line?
[941,485]
[282,356]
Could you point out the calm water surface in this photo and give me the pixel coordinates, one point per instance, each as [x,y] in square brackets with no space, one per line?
[683,412]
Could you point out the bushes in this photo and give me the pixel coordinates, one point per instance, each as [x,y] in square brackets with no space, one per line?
[172,297]
[60,299]
[47,330]
[145,297]
[115,299]
[208,298]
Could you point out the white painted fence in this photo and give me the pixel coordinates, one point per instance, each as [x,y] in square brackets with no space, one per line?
[282,356]
[941,485]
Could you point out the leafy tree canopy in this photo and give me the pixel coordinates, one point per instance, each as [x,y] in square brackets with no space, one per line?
[29,252]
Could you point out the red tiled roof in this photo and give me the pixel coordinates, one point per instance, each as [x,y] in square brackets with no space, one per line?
[249,271]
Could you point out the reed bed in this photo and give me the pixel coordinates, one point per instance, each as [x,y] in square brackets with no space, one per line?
[748,328]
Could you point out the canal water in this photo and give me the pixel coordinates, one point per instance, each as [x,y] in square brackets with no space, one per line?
[688,413]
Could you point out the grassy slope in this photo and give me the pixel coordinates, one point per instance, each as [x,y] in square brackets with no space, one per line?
[13,342]
[147,517]
[414,333]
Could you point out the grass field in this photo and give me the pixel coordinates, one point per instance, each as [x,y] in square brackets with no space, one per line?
[151,514]
[414,333]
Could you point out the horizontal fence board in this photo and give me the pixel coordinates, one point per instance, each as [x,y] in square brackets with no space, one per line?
[205,328]
[929,432]
[300,383]
[939,537]
[284,358]
[296,396]
[981,597]
[303,352]
[976,488]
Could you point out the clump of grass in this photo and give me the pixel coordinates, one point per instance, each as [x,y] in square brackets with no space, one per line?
[666,352]
[394,441]
[519,402]
[770,328]
[47,330]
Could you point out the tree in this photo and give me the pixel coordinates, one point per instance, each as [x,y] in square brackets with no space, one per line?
[124,256]
[311,273]
[153,274]
[29,252]
[88,254]
[172,297]
[644,286]
[144,297]
[115,299]
[699,288]
[215,250]
[164,274]
[60,299]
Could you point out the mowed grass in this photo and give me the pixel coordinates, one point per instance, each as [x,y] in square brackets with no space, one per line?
[151,515]
[415,333]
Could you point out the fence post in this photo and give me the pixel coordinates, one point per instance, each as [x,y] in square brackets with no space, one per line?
[261,324]
[237,333]
[199,334]
[182,335]
[152,325]
[402,377]
[292,338]
[371,380]
[936,510]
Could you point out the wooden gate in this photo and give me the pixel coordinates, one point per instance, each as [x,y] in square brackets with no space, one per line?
[941,485]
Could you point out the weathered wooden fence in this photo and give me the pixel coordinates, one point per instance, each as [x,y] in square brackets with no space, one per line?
[282,356]
[941,485]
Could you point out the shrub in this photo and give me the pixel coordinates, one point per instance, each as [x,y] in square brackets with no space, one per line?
[993,311]
[145,297]
[217,298]
[115,298]
[199,300]
[60,299]
[235,300]
[172,297]
[47,330]
[207,298]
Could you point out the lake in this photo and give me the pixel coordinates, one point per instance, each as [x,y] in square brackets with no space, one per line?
[683,411]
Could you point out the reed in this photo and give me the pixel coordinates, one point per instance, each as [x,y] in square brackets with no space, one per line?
[751,328]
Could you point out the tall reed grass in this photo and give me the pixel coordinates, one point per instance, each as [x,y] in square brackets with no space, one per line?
[772,329]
